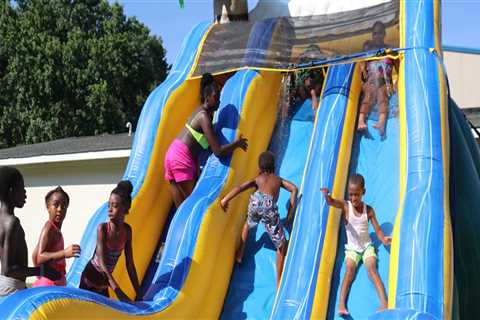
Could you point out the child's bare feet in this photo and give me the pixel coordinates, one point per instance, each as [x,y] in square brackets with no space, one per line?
[362,126]
[239,255]
[380,127]
[382,308]
[342,311]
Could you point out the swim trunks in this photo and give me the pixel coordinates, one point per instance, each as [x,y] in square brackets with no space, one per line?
[262,208]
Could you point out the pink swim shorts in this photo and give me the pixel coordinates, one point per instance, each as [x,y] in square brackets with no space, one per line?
[45,282]
[180,165]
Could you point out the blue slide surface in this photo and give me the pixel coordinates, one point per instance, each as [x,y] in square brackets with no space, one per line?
[377,160]
[295,296]
[253,283]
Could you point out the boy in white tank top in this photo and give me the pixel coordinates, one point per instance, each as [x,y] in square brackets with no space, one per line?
[359,246]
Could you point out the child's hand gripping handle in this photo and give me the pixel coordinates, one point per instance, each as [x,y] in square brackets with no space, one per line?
[241,143]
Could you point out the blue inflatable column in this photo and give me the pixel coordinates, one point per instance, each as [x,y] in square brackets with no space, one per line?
[423,282]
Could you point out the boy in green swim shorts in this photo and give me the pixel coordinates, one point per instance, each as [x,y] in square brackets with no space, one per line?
[359,246]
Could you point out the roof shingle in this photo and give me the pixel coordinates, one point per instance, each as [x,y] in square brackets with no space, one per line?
[104,142]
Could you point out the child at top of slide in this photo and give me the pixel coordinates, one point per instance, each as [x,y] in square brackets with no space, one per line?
[359,246]
[378,85]
[263,207]
[13,247]
[113,237]
[50,248]
[313,83]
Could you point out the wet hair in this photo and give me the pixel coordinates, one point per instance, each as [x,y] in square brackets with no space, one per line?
[57,190]
[208,90]
[357,179]
[206,81]
[316,77]
[8,177]
[124,190]
[379,24]
[266,162]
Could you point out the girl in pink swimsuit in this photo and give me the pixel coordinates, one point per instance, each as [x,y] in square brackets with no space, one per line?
[113,237]
[181,168]
[50,248]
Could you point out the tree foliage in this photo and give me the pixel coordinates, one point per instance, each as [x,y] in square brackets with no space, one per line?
[72,68]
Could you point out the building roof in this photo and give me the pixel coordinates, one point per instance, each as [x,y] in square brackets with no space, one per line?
[94,147]
[461,49]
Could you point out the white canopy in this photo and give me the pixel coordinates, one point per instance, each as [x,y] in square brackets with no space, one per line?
[301,8]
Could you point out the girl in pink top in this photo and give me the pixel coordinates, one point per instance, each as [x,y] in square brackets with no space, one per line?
[181,167]
[50,248]
[113,238]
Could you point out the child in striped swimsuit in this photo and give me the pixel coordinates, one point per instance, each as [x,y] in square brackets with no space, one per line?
[359,246]
[50,248]
[113,237]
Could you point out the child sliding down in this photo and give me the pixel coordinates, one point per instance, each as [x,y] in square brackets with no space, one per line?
[263,207]
[359,246]
[377,84]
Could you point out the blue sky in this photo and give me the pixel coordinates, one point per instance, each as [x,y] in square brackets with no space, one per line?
[460,20]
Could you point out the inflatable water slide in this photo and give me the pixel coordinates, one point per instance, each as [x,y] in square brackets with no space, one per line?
[421,178]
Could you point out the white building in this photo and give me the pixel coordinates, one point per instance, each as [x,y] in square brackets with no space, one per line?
[463,67]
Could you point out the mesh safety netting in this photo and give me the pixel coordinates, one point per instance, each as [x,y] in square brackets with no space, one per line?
[283,42]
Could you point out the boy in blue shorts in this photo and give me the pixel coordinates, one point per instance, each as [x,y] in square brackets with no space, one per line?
[263,207]
[359,246]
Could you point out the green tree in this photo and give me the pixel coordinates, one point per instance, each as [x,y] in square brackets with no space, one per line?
[73,68]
